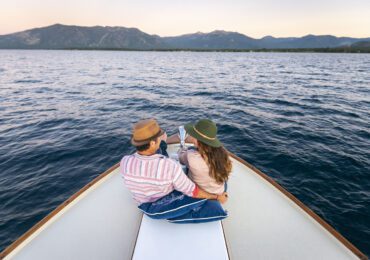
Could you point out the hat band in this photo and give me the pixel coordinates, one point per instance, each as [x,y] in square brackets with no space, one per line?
[202,135]
[147,139]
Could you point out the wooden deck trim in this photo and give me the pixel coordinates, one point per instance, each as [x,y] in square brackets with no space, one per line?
[322,222]
[32,230]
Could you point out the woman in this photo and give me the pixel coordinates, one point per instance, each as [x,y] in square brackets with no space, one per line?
[209,164]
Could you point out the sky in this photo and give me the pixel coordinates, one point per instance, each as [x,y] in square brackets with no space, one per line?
[255,18]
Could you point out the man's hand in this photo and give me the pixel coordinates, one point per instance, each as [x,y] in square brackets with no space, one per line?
[163,137]
[222,198]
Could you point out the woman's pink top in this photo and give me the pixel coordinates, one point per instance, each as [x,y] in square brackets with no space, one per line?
[199,171]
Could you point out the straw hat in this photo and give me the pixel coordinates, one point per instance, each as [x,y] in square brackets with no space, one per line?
[144,131]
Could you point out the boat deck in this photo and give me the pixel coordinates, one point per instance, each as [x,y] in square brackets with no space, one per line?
[101,221]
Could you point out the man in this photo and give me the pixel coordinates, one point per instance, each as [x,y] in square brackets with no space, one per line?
[157,183]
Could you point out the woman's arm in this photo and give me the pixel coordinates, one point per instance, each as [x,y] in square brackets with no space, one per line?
[202,194]
[183,157]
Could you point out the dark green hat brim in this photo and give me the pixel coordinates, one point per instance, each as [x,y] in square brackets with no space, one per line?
[190,130]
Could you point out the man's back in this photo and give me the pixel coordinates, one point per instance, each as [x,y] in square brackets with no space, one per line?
[152,177]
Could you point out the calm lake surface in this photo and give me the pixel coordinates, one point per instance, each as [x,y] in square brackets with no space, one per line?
[303,119]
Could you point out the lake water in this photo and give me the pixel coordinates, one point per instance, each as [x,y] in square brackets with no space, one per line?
[303,119]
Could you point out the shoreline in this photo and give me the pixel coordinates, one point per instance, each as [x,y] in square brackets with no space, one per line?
[300,50]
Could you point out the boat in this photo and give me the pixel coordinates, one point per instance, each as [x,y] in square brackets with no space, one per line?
[265,221]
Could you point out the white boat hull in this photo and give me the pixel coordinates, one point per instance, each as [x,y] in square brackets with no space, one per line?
[102,222]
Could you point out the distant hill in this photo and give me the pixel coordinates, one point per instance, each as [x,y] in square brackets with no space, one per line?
[60,36]
[308,41]
[361,45]
[212,40]
[233,40]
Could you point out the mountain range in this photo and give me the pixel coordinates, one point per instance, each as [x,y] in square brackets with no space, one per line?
[60,36]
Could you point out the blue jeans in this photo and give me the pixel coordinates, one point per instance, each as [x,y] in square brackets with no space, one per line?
[179,208]
[172,205]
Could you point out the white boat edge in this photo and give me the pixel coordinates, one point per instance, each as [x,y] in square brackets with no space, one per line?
[322,223]
[55,214]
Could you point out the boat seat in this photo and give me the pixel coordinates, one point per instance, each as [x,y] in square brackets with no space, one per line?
[159,239]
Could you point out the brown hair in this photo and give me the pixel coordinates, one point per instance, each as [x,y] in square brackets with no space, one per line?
[145,147]
[218,161]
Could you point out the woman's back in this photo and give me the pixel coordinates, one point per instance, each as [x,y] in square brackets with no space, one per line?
[199,172]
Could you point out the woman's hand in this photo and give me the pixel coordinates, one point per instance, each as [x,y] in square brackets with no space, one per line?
[222,198]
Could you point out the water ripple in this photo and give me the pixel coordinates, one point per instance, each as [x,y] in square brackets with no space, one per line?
[66,116]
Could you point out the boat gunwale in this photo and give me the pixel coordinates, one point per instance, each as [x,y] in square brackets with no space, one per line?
[300,204]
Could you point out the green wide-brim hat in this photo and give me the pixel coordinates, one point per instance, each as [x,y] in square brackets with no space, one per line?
[205,131]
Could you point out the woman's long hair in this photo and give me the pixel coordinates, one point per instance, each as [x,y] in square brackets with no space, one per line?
[217,160]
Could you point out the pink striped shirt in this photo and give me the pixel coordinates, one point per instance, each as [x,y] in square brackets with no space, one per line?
[152,177]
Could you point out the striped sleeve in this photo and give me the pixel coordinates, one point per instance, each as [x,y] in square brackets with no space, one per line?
[182,183]
[123,165]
